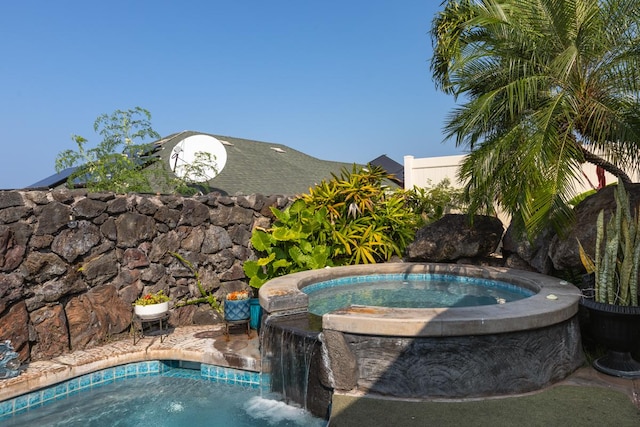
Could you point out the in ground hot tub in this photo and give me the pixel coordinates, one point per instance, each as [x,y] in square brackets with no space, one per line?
[505,347]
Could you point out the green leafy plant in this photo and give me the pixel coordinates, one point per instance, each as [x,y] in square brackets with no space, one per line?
[193,177]
[617,254]
[544,86]
[369,221]
[433,201]
[353,218]
[123,162]
[150,299]
[296,242]
[207,297]
[120,162]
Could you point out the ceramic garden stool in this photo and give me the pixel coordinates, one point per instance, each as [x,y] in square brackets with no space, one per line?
[137,326]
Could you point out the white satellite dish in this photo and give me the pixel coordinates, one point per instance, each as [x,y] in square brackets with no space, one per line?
[198,158]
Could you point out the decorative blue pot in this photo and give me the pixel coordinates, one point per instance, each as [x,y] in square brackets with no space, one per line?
[256,313]
[236,310]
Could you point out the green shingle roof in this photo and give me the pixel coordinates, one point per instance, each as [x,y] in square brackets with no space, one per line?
[261,167]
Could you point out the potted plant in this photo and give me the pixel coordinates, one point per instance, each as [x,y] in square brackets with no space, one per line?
[612,302]
[236,306]
[151,305]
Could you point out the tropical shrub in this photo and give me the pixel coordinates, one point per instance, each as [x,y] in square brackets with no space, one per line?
[369,222]
[296,242]
[617,254]
[433,201]
[354,218]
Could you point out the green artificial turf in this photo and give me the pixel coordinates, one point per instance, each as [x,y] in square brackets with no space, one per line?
[558,406]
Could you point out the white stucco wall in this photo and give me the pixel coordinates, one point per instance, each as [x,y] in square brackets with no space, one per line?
[422,172]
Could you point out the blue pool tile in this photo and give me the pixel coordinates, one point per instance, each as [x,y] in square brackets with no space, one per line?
[73,384]
[6,407]
[255,378]
[131,370]
[120,371]
[34,398]
[85,381]
[61,389]
[21,402]
[48,394]
[108,374]
[96,377]
[143,368]
[154,366]
[205,370]
[221,374]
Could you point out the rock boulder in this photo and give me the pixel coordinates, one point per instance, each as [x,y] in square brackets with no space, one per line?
[453,237]
[563,251]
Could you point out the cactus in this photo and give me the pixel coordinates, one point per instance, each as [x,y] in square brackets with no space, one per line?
[617,258]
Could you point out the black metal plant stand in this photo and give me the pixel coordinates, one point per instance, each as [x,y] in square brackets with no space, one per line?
[138,326]
[230,323]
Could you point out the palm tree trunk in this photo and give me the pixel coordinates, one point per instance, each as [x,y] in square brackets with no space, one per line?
[609,167]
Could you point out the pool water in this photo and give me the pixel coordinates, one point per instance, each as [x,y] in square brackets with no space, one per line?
[166,401]
[410,291]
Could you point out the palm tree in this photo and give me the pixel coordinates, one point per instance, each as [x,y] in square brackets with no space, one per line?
[546,86]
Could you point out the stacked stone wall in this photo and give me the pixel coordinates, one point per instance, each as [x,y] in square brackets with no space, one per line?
[72,262]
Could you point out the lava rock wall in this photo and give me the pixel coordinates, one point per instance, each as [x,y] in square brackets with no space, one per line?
[72,262]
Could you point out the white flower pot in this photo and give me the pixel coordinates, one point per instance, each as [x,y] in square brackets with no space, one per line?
[151,311]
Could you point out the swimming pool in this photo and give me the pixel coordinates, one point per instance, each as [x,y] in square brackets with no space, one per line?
[156,393]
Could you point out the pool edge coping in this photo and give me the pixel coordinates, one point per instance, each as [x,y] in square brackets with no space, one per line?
[45,373]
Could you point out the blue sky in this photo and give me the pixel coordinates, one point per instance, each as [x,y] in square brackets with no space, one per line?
[338,80]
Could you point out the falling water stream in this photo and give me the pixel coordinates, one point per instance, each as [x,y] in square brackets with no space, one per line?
[292,360]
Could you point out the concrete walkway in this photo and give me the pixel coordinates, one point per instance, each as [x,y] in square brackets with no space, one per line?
[586,395]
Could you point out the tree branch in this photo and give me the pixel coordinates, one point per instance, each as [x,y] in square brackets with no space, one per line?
[604,164]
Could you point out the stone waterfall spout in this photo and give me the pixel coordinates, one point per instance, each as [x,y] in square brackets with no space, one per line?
[292,359]
[9,363]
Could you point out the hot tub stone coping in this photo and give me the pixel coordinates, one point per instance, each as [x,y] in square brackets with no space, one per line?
[555,301]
